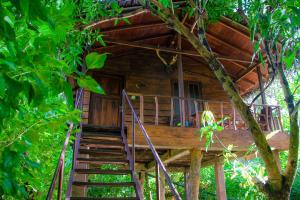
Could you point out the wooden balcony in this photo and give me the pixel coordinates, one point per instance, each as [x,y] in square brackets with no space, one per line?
[174,123]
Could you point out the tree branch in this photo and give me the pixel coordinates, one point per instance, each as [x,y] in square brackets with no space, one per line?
[291,167]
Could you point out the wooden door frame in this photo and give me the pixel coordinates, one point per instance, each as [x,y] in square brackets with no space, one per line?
[96,75]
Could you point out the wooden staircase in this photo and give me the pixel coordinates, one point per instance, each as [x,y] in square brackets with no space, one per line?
[102,152]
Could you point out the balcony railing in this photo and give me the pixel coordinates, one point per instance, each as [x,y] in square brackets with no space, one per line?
[187,112]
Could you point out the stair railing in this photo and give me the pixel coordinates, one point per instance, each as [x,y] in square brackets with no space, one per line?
[131,158]
[59,171]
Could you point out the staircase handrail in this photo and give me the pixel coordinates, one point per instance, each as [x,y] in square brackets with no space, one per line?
[159,163]
[59,171]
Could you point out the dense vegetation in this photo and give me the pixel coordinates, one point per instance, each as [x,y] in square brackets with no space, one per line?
[42,44]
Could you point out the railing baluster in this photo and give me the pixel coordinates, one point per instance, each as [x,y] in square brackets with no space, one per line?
[267,116]
[197,114]
[142,108]
[133,142]
[156,110]
[279,118]
[183,112]
[234,118]
[172,112]
[222,114]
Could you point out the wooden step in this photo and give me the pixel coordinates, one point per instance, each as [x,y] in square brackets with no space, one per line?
[102,134]
[100,141]
[96,128]
[102,151]
[101,145]
[100,171]
[104,198]
[102,184]
[102,161]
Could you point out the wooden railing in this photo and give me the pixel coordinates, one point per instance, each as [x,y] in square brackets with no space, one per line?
[187,112]
[131,154]
[59,171]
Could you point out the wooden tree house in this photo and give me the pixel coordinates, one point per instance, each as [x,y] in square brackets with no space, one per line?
[169,87]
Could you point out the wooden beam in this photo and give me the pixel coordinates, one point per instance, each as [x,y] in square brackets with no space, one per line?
[168,157]
[246,72]
[223,43]
[261,87]
[132,27]
[180,84]
[220,181]
[165,137]
[169,50]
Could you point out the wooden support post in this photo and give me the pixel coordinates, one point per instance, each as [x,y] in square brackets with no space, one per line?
[277,159]
[194,175]
[234,118]
[156,110]
[261,87]
[186,189]
[222,114]
[197,114]
[142,181]
[142,108]
[172,112]
[133,143]
[157,180]
[162,184]
[220,181]
[279,118]
[180,84]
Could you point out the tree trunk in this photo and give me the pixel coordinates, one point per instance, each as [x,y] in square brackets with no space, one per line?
[259,138]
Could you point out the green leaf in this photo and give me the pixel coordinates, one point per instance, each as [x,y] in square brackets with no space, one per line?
[126,20]
[95,60]
[99,39]
[7,185]
[90,84]
[289,59]
[69,95]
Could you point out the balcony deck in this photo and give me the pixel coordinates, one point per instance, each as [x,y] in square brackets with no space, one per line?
[174,136]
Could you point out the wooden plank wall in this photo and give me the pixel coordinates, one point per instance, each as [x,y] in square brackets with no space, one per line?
[144,73]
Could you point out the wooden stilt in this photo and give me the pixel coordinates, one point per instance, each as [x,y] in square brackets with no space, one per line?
[277,159]
[157,181]
[194,175]
[261,87]
[220,181]
[186,189]
[162,184]
[142,180]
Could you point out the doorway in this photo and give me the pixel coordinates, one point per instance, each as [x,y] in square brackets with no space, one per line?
[105,109]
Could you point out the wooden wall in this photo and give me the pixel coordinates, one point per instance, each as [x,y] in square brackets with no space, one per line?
[144,73]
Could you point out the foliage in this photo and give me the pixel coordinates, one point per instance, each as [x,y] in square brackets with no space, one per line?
[41,47]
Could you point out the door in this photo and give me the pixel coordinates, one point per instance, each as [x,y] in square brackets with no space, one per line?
[105,109]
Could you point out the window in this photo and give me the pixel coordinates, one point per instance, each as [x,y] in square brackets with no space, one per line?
[192,90]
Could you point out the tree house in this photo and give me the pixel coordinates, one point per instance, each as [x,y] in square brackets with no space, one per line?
[169,86]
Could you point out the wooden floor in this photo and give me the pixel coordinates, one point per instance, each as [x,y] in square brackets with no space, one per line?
[173,145]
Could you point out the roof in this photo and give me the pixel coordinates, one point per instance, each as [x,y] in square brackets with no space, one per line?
[230,41]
